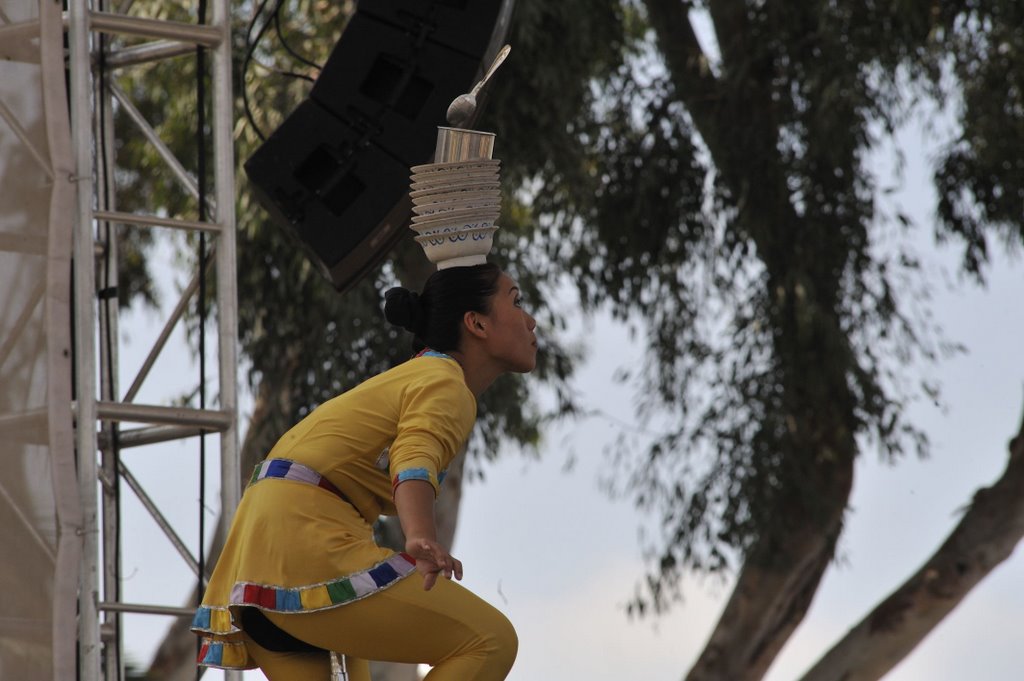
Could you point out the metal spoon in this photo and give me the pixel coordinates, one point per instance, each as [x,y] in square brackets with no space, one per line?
[462,107]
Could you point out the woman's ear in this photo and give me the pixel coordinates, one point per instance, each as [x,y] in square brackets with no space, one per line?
[475,324]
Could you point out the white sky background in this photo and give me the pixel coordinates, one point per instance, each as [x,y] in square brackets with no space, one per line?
[560,559]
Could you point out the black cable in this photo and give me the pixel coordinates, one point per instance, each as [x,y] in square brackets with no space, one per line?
[293,74]
[252,22]
[284,42]
[108,297]
[251,44]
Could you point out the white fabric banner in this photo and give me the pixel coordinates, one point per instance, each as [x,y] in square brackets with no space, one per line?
[39,508]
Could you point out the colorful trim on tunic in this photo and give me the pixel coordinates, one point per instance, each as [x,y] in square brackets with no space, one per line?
[337,592]
[224,655]
[417,474]
[217,620]
[427,352]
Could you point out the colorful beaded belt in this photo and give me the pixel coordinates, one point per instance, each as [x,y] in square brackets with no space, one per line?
[287,469]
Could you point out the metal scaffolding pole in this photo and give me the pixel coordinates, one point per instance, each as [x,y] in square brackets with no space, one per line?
[98,41]
[85,347]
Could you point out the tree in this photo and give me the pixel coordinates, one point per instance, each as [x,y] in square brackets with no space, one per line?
[715,188]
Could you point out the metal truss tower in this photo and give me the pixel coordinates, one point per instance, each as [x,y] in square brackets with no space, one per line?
[104,37]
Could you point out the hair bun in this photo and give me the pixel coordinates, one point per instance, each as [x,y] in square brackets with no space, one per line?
[402,308]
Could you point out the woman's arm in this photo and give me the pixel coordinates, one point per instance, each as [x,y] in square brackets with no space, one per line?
[414,500]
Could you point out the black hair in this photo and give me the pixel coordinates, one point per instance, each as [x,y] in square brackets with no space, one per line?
[435,316]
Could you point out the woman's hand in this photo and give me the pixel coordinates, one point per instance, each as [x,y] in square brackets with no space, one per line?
[433,559]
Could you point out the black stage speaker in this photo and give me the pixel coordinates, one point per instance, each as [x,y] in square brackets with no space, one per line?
[393,84]
[468,26]
[335,174]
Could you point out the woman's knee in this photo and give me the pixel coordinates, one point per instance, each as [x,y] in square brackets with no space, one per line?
[502,641]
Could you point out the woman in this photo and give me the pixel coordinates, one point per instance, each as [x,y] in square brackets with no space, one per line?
[300,574]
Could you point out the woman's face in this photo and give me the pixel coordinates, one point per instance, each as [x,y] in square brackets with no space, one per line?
[510,329]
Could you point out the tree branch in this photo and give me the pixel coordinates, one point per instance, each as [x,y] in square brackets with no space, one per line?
[733,113]
[730,20]
[686,61]
[771,597]
[984,538]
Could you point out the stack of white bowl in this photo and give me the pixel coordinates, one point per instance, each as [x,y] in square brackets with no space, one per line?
[455,209]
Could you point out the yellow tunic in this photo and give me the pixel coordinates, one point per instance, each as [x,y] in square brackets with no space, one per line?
[295,547]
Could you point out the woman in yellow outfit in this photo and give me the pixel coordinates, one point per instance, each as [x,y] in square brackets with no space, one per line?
[300,574]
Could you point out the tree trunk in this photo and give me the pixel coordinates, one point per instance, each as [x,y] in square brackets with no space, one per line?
[984,538]
[771,598]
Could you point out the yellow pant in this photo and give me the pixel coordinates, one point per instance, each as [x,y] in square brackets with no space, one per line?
[461,636]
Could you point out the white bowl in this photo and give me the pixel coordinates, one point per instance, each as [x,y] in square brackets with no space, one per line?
[457,210]
[454,179]
[477,204]
[447,226]
[428,168]
[455,235]
[455,217]
[475,183]
[457,204]
[458,248]
[455,195]
[453,190]
[440,209]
